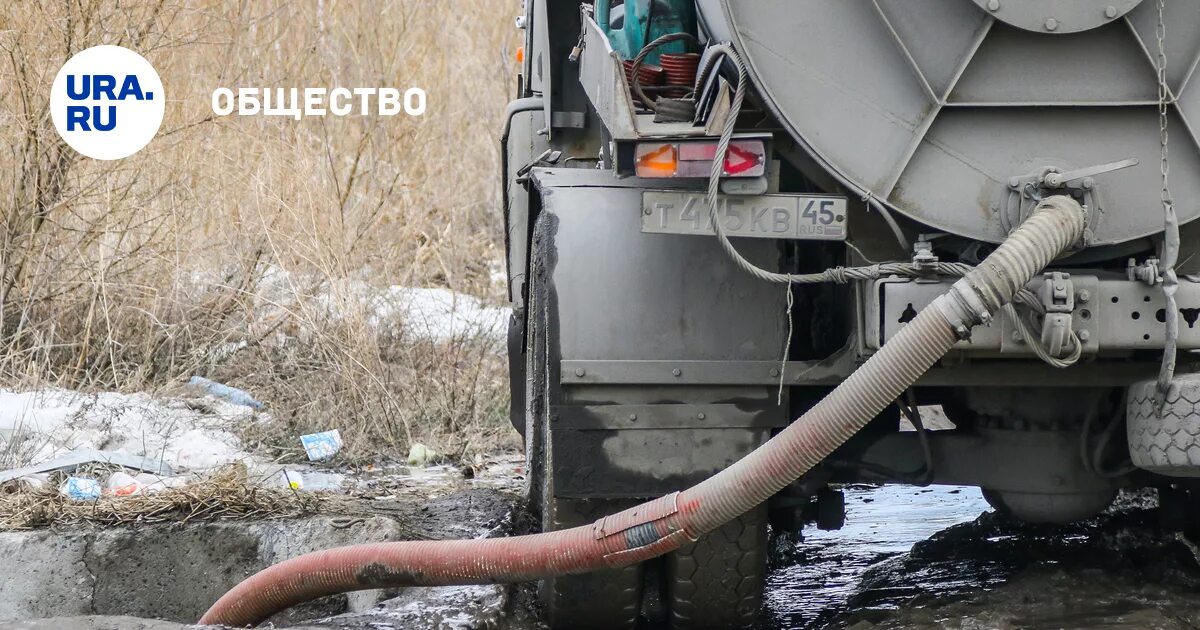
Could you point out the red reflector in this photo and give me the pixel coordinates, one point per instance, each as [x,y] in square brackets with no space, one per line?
[739,160]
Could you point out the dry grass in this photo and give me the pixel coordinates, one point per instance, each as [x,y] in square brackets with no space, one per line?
[138,273]
[225,495]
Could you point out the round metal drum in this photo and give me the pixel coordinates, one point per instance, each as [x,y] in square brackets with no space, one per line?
[935,106]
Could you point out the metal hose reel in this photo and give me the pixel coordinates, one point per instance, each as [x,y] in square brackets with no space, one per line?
[933,107]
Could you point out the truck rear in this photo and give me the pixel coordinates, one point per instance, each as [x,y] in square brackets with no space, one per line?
[716,211]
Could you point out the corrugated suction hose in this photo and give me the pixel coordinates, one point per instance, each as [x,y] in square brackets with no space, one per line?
[664,524]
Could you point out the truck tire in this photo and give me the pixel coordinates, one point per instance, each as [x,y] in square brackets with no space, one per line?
[1166,443]
[598,600]
[717,582]
[603,599]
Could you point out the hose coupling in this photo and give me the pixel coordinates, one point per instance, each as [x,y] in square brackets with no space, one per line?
[1056,223]
[963,308]
[644,531]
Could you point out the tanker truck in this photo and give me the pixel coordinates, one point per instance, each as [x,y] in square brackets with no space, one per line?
[716,211]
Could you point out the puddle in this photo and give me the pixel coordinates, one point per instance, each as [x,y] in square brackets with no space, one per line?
[927,558]
[437,608]
[813,581]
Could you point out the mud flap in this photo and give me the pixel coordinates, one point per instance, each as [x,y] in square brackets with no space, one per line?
[616,295]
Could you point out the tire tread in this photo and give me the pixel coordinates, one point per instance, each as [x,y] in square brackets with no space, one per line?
[717,582]
[1165,441]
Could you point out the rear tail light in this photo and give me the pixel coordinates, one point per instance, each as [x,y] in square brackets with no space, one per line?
[657,161]
[744,158]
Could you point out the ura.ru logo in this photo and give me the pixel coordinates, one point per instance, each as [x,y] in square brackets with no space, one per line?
[100,87]
[107,102]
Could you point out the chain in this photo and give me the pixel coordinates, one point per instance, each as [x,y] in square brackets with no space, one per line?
[1170,248]
[1160,33]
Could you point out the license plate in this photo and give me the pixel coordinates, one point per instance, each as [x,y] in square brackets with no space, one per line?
[806,217]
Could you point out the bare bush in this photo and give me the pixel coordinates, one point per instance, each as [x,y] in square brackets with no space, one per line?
[137,273]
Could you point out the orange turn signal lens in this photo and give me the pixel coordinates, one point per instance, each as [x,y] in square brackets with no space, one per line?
[656,160]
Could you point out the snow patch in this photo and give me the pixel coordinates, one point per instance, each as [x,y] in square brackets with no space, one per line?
[432,313]
[198,449]
[188,434]
[440,314]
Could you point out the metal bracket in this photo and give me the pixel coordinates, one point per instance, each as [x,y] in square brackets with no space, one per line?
[684,372]
[1057,292]
[1147,273]
[923,257]
[1110,313]
[549,156]
[666,416]
[1058,297]
[1026,373]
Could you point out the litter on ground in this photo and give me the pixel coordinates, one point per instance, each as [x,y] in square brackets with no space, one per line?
[321,446]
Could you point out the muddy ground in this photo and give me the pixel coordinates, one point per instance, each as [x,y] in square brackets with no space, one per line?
[939,558]
[907,558]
